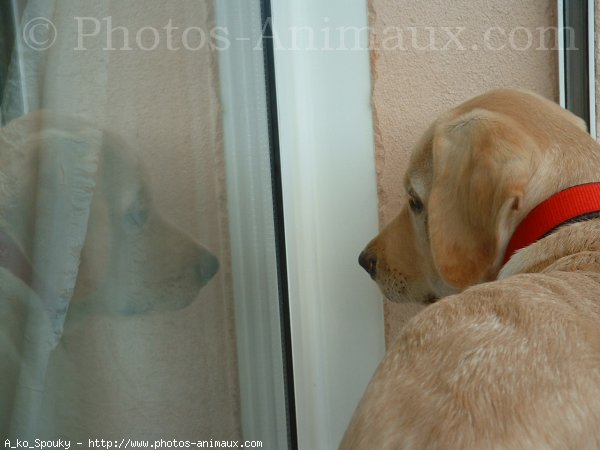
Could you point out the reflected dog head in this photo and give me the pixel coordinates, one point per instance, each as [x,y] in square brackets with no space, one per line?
[61,176]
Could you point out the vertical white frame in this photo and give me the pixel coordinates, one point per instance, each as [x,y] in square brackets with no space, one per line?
[251,225]
[330,208]
[591,25]
[592,65]
[560,18]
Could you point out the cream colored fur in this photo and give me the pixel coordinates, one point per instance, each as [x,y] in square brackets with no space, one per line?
[512,359]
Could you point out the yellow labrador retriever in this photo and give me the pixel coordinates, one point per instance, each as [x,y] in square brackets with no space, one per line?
[503,201]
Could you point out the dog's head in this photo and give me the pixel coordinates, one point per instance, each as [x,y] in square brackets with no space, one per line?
[474,175]
[76,200]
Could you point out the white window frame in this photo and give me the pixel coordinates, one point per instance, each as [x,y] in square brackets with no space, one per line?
[243,95]
[330,210]
[563,46]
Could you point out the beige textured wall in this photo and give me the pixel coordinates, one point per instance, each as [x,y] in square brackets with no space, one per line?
[415,80]
[170,375]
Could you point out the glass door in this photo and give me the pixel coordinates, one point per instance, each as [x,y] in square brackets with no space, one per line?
[140,262]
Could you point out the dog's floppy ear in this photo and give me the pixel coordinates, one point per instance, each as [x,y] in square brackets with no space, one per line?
[482,162]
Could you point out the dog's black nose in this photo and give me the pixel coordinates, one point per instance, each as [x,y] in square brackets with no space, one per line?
[207,266]
[368,261]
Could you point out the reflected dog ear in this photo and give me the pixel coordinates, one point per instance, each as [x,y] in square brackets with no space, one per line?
[482,163]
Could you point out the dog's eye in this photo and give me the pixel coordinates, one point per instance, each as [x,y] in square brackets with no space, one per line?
[138,215]
[415,204]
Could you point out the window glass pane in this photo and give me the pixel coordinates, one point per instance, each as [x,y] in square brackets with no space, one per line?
[136,295]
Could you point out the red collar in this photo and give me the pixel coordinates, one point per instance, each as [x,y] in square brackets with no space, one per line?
[566,206]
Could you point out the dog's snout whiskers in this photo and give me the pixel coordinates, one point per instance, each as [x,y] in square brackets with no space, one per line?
[368,261]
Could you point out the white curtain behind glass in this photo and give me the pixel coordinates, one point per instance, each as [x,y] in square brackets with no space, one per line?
[115,322]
